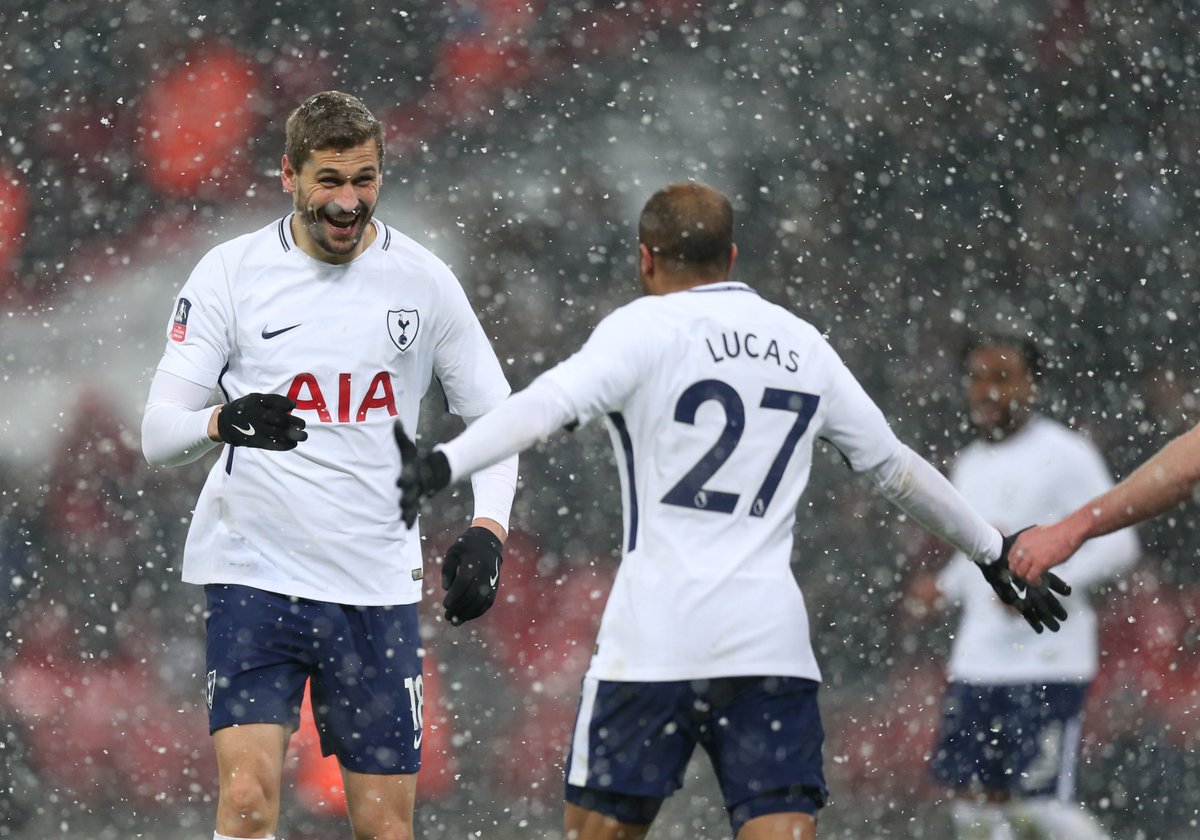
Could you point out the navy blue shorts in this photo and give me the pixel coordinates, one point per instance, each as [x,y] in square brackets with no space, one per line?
[364,663]
[1019,739]
[633,740]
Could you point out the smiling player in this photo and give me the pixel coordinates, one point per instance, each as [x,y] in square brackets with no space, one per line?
[320,330]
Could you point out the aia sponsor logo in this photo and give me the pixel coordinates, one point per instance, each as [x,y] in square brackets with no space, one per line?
[347,397]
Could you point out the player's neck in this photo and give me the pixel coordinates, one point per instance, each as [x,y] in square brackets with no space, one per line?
[1009,430]
[666,284]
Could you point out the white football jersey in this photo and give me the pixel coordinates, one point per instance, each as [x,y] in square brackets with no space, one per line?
[1039,474]
[714,398]
[356,346]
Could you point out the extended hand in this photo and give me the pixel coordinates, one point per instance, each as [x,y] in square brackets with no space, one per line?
[1041,548]
[261,421]
[1037,604]
[471,574]
[420,475]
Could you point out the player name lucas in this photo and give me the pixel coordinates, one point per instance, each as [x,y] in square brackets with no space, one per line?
[733,344]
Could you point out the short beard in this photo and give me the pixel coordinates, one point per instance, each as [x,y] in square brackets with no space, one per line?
[312,216]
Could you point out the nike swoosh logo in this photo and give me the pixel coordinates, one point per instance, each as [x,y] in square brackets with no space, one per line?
[272,333]
[495,577]
[248,431]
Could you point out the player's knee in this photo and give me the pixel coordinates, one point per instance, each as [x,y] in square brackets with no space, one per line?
[248,801]
[382,830]
[380,819]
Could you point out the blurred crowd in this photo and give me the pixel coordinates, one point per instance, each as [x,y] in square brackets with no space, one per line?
[904,173]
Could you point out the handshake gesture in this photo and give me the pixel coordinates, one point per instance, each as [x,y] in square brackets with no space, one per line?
[471,570]
[1037,604]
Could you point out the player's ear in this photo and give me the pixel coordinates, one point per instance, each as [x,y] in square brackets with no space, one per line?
[287,174]
[733,252]
[646,259]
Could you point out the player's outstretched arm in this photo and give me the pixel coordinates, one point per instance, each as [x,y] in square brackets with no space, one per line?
[1167,479]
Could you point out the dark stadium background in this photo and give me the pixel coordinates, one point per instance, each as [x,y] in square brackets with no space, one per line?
[904,173]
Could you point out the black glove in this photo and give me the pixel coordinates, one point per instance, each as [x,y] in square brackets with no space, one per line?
[420,475]
[261,421]
[1036,604]
[471,574]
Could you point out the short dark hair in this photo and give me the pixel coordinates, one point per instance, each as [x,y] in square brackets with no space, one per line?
[330,120]
[690,225]
[1023,342]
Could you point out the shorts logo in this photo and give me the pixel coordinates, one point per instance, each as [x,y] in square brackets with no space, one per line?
[179,323]
[210,687]
[402,327]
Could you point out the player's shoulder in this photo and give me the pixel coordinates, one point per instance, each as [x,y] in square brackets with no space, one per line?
[264,245]
[1043,439]
[1052,432]
[402,248]
[222,264]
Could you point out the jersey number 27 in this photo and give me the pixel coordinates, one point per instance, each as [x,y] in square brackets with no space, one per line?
[690,491]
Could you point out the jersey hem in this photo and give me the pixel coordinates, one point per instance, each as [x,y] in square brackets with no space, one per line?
[646,675]
[323,596]
[1021,679]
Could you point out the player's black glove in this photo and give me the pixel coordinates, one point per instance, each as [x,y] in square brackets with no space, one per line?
[1037,604]
[420,475]
[471,574]
[261,421]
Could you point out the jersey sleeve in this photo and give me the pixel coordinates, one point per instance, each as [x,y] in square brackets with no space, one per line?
[200,330]
[853,423]
[464,361]
[601,376]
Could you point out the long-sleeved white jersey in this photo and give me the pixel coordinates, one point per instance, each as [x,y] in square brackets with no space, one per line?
[714,398]
[356,346]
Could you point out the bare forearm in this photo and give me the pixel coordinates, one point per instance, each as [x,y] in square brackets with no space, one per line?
[1166,480]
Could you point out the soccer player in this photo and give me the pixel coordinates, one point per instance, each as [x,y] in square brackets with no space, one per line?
[1024,690]
[320,329]
[1166,480]
[714,397]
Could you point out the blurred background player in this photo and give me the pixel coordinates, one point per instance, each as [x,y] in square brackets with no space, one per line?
[320,329]
[1012,712]
[714,398]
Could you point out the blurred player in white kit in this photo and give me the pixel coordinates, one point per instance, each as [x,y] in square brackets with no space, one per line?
[1010,733]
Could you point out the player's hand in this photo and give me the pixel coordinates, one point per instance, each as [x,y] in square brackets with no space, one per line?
[471,574]
[1042,547]
[420,475]
[1037,604]
[261,421]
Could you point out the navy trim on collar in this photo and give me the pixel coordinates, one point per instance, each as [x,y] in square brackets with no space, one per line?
[282,235]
